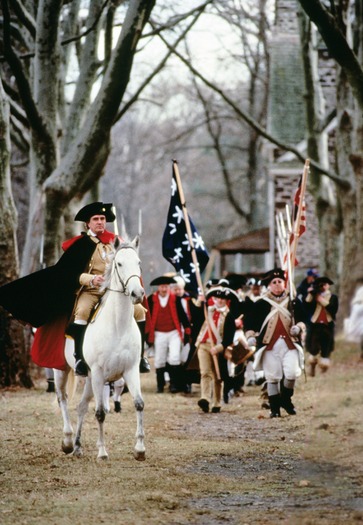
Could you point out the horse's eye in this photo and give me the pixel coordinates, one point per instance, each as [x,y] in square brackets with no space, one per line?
[119,264]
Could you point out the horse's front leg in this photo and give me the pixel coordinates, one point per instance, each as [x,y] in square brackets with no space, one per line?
[132,378]
[60,381]
[82,409]
[98,382]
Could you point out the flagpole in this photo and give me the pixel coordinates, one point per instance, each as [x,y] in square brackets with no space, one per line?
[194,258]
[115,225]
[300,208]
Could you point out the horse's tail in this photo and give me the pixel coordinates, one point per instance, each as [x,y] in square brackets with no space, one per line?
[71,385]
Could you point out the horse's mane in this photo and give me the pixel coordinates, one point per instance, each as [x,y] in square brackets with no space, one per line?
[107,275]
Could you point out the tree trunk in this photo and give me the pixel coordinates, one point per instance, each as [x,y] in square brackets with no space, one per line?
[14,360]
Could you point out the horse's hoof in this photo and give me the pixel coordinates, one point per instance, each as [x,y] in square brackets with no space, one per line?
[102,458]
[139,456]
[67,449]
[77,452]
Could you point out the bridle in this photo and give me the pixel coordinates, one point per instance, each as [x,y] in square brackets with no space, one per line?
[123,283]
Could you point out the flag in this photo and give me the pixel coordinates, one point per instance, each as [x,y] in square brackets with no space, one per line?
[298,227]
[175,244]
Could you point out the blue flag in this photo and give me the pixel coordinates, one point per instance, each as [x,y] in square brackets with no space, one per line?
[176,245]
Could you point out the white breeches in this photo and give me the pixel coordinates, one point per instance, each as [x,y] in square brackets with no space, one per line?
[167,346]
[281,362]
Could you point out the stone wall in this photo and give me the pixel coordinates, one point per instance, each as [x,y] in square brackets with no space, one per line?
[285,183]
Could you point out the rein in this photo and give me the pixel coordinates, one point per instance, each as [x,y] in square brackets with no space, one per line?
[123,283]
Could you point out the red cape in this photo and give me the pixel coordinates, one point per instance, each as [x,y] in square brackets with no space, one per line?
[48,345]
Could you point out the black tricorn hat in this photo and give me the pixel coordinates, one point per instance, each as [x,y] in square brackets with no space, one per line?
[276,273]
[236,281]
[322,280]
[222,292]
[163,279]
[211,282]
[96,208]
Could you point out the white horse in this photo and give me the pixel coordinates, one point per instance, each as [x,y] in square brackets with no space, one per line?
[111,348]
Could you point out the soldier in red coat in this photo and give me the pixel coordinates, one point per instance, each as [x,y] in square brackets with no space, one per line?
[165,333]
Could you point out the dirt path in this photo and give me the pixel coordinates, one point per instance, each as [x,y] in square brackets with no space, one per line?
[236,467]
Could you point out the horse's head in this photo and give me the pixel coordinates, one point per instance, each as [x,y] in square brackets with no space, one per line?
[125,270]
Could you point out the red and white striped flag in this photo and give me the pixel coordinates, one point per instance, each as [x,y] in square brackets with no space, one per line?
[299,229]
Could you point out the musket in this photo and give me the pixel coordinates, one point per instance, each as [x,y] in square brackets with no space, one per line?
[115,225]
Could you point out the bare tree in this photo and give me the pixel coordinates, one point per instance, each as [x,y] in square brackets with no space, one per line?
[65,98]
[13,361]
[335,25]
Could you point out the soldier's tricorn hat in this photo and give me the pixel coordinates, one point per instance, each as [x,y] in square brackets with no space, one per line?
[236,281]
[222,292]
[163,279]
[322,280]
[96,208]
[211,282]
[276,273]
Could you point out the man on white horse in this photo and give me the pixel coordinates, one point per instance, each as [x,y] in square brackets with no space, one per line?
[95,216]
[79,271]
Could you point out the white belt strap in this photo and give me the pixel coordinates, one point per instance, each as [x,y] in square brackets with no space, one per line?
[276,308]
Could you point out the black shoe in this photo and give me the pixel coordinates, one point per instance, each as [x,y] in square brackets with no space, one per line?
[81,369]
[160,390]
[275,414]
[117,406]
[204,405]
[287,405]
[285,402]
[274,402]
[216,410]
[144,366]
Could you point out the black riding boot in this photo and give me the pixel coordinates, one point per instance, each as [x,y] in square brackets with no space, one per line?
[77,331]
[285,401]
[144,363]
[160,380]
[274,405]
[175,372]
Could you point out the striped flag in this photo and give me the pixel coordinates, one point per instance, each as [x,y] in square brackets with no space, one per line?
[300,228]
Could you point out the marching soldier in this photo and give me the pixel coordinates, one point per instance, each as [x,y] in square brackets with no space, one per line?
[322,307]
[222,329]
[275,328]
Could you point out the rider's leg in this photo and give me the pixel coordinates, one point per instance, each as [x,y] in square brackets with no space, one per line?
[139,314]
[85,303]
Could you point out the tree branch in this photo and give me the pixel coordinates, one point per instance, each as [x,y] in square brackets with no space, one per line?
[173,21]
[24,16]
[159,67]
[337,45]
[215,136]
[254,124]
[21,80]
